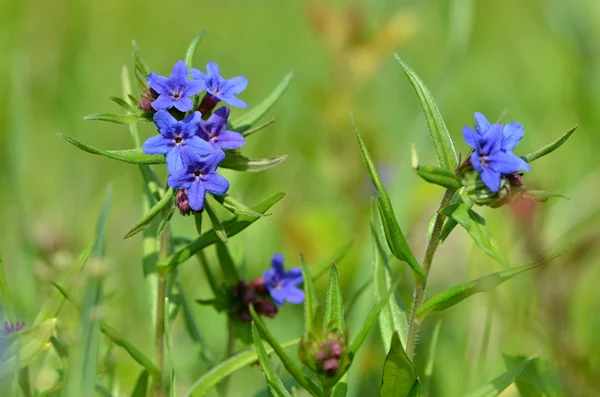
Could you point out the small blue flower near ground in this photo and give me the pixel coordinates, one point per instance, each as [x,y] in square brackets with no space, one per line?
[177,139]
[493,145]
[214,130]
[281,284]
[199,176]
[220,88]
[175,90]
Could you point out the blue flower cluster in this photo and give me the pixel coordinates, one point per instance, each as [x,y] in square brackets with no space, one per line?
[281,284]
[493,144]
[193,141]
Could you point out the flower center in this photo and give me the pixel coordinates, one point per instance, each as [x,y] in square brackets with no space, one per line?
[483,161]
[197,174]
[176,94]
[178,140]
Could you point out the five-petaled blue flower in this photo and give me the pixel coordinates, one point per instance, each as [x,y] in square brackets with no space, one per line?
[214,130]
[283,285]
[493,144]
[199,176]
[177,140]
[176,90]
[219,88]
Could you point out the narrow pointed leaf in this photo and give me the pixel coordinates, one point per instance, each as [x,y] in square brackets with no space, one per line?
[125,105]
[164,222]
[228,367]
[258,128]
[246,121]
[549,148]
[442,143]
[133,156]
[438,176]
[323,266]
[232,227]
[399,373]
[449,223]
[393,316]
[334,304]
[120,118]
[237,162]
[235,207]
[141,67]
[460,292]
[141,385]
[228,268]
[22,348]
[155,210]
[273,381]
[539,379]
[474,224]
[541,196]
[495,387]
[218,227]
[290,365]
[394,236]
[310,299]
[191,51]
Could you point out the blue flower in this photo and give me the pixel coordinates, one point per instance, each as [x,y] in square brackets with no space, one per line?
[177,139]
[176,90]
[199,176]
[219,88]
[283,285]
[493,144]
[214,130]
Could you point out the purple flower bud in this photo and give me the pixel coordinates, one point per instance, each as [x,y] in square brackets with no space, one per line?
[208,104]
[320,356]
[148,97]
[182,202]
[335,349]
[515,180]
[258,286]
[266,308]
[248,297]
[245,316]
[330,366]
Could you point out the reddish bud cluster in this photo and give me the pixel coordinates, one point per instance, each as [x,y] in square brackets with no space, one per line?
[255,294]
[148,97]
[329,356]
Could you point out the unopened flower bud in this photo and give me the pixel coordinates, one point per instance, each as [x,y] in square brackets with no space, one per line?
[182,202]
[335,349]
[148,97]
[330,366]
[266,308]
[258,286]
[207,105]
[248,297]
[245,316]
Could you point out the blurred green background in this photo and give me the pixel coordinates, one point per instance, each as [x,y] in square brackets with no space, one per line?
[539,59]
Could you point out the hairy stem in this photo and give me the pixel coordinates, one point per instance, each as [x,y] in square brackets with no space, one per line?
[160,317]
[432,245]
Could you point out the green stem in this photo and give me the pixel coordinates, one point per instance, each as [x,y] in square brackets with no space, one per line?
[421,284]
[160,317]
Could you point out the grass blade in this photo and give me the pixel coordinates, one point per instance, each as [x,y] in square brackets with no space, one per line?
[191,50]
[549,148]
[155,210]
[273,380]
[495,387]
[310,299]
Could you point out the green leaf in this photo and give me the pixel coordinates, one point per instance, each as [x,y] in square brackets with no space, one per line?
[474,224]
[228,367]
[438,176]
[191,51]
[164,222]
[155,210]
[125,105]
[133,156]
[460,292]
[495,387]
[399,373]
[449,223]
[290,365]
[194,331]
[370,321]
[246,121]
[218,227]
[237,162]
[432,348]
[539,379]
[334,304]
[273,380]
[169,342]
[228,268]
[141,386]
[340,389]
[323,266]
[259,127]
[22,348]
[541,152]
[394,236]
[141,67]
[232,227]
[119,118]
[393,316]
[442,143]
[235,207]
[310,299]
[539,195]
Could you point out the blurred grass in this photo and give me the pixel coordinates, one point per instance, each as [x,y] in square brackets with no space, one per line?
[539,59]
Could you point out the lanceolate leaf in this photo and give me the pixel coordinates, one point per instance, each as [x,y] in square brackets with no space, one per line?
[539,379]
[141,385]
[393,233]
[442,142]
[460,292]
[234,206]
[334,304]
[495,387]
[475,226]
[141,67]
[125,105]
[165,201]
[191,51]
[133,156]
[258,128]
[119,118]
[393,316]
[246,121]
[228,367]
[232,227]
[310,299]
[237,162]
[218,227]
[273,380]
[541,152]
[438,176]
[399,373]
[539,195]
